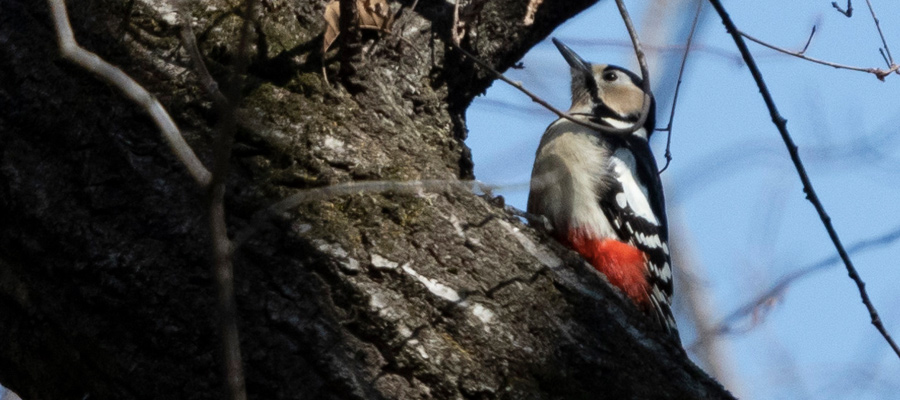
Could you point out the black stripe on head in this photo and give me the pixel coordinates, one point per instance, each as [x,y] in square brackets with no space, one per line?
[635,79]
[603,111]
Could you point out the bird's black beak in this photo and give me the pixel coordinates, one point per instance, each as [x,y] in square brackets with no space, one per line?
[573,59]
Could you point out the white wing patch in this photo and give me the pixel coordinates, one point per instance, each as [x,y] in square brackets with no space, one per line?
[635,194]
[651,240]
[665,273]
[619,124]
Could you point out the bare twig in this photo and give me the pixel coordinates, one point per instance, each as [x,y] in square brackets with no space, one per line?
[811,195]
[687,49]
[808,41]
[878,72]
[189,41]
[765,299]
[848,12]
[108,73]
[642,61]
[884,56]
[880,34]
[214,181]
[731,56]
[223,267]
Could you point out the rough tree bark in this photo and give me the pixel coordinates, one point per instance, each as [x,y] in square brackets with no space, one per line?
[105,283]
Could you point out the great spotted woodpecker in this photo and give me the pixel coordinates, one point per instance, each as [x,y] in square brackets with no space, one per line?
[601,192]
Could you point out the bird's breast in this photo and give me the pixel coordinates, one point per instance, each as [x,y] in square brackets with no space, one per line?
[570,173]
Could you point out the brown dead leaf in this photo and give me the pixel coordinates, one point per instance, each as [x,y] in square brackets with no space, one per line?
[373,14]
[332,24]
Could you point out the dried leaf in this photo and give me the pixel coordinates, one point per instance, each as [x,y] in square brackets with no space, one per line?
[332,24]
[373,14]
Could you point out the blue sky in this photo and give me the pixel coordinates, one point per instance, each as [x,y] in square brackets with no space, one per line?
[731,185]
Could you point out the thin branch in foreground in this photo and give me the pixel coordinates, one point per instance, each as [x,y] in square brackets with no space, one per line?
[223,267]
[687,49]
[884,56]
[108,73]
[763,301]
[808,41]
[848,12]
[878,72]
[811,195]
[642,61]
[880,34]
[189,41]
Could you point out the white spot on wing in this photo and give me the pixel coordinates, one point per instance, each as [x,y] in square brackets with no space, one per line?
[624,167]
[658,295]
[620,200]
[665,272]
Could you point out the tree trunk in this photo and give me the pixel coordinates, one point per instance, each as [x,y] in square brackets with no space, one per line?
[106,290]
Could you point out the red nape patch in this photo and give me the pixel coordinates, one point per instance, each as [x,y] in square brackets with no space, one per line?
[622,264]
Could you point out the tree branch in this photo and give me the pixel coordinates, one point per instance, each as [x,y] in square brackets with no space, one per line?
[848,12]
[642,61]
[881,35]
[223,267]
[767,297]
[781,124]
[878,72]
[687,49]
[71,51]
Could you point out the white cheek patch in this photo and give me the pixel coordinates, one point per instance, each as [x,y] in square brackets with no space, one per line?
[634,193]
[619,124]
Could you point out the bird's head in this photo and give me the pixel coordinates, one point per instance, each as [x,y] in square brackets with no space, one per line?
[607,93]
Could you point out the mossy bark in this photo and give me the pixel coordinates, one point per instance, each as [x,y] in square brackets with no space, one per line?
[105,282]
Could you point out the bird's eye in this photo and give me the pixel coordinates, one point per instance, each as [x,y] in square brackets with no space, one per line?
[610,76]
